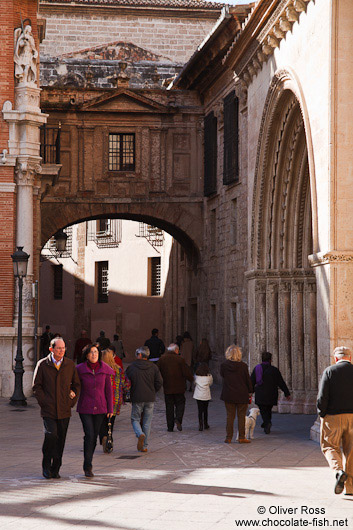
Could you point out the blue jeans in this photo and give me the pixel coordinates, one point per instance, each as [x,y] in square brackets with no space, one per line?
[146,411]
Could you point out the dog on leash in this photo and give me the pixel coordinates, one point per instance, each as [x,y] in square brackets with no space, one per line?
[250,422]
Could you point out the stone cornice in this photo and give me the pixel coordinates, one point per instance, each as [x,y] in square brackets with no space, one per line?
[261,34]
[263,274]
[330,258]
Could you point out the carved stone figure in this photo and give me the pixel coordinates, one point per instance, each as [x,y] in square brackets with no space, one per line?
[25,55]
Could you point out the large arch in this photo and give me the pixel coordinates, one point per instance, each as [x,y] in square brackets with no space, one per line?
[282,286]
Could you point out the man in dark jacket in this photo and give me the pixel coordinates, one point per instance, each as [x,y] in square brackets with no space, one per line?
[335,406]
[56,386]
[266,380]
[155,345]
[175,373]
[146,380]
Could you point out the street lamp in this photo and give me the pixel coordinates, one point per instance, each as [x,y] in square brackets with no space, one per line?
[20,262]
[60,241]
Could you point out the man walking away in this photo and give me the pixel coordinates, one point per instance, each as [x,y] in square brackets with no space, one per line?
[56,386]
[119,347]
[266,379]
[175,373]
[145,380]
[103,341]
[155,345]
[45,342]
[83,341]
[335,406]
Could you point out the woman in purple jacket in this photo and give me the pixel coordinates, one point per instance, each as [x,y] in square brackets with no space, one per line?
[96,399]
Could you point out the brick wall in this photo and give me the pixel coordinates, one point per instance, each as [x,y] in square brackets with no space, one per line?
[10,19]
[173,38]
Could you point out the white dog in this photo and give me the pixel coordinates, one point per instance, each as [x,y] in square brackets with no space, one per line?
[250,422]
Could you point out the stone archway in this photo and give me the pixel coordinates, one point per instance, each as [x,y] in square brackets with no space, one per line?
[282,285]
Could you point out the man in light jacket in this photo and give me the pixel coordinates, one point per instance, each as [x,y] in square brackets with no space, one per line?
[335,406]
[146,380]
[56,386]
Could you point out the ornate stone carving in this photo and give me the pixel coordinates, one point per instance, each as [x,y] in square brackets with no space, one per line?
[299,5]
[278,32]
[330,258]
[25,56]
[25,173]
[284,24]
[292,14]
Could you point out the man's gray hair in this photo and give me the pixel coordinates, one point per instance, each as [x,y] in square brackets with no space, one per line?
[342,351]
[173,348]
[53,341]
[144,351]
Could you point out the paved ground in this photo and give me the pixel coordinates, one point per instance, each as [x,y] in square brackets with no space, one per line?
[187,481]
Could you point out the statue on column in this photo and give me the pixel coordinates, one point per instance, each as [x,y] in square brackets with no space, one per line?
[25,55]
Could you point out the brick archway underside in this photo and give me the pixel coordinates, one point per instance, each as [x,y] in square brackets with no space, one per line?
[183,221]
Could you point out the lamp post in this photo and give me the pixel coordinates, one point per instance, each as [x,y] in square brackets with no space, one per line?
[20,262]
[60,241]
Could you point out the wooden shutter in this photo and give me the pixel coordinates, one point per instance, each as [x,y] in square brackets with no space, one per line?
[231,139]
[210,154]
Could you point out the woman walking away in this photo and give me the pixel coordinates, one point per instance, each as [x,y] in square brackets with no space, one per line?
[266,379]
[187,351]
[203,380]
[96,399]
[203,353]
[235,391]
[120,384]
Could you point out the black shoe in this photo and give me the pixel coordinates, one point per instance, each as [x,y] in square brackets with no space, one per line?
[267,428]
[200,426]
[89,473]
[55,475]
[47,473]
[262,425]
[170,430]
[341,478]
[178,425]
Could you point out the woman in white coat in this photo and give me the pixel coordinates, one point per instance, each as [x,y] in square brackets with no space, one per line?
[203,381]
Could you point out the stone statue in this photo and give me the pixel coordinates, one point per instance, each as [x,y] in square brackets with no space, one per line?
[25,55]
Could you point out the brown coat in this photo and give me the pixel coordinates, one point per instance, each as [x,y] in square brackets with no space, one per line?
[237,384]
[175,372]
[52,387]
[187,351]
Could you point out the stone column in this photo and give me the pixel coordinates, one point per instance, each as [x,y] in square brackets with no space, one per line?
[284,310]
[310,347]
[297,347]
[260,318]
[272,319]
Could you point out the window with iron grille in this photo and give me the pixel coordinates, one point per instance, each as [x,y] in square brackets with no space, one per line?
[210,154]
[231,139]
[102,281]
[155,276]
[121,152]
[58,281]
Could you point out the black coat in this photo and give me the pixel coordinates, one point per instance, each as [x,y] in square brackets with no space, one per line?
[236,382]
[336,390]
[145,379]
[156,347]
[267,393]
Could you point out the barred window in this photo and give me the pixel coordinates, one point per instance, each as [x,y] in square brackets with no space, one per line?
[58,282]
[154,275]
[121,152]
[231,139]
[210,154]
[102,281]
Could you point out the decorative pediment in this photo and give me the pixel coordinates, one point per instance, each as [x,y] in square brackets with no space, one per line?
[123,100]
[117,51]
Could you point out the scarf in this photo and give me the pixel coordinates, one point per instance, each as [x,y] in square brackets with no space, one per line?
[259,373]
[93,366]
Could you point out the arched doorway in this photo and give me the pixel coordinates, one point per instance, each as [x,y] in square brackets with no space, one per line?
[282,285]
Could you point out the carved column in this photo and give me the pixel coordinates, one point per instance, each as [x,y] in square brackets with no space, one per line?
[284,310]
[260,318]
[310,348]
[297,343]
[272,319]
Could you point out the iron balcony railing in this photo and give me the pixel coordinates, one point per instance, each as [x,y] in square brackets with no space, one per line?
[50,144]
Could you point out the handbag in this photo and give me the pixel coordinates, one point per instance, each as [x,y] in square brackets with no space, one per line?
[109,442]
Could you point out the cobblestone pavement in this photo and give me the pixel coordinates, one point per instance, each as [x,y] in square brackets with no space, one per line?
[187,480]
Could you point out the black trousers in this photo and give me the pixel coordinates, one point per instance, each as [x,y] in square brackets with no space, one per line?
[103,431]
[91,424]
[203,411]
[54,443]
[266,413]
[174,408]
